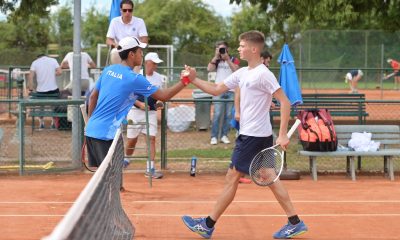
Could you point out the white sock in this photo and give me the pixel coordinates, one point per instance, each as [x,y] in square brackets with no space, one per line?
[151,165]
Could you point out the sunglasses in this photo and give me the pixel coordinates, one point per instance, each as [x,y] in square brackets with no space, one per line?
[127,10]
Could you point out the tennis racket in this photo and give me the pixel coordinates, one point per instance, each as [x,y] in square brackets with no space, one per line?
[84,158]
[267,165]
[385,77]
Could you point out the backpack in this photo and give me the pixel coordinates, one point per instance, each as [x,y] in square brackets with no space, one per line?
[317,131]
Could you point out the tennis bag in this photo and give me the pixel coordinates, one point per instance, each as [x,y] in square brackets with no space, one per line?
[317,131]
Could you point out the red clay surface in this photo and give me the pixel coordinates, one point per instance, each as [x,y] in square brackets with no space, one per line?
[333,207]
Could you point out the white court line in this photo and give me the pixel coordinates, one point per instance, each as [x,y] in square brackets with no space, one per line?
[208,202]
[225,215]
[36,202]
[273,215]
[273,201]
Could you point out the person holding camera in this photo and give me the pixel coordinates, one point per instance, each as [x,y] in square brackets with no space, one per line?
[224,65]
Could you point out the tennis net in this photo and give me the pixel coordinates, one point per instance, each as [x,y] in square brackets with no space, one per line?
[98,213]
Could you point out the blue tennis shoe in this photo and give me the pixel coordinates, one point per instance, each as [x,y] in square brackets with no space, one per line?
[289,230]
[198,225]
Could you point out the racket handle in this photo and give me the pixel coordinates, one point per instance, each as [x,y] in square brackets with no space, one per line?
[83,111]
[293,128]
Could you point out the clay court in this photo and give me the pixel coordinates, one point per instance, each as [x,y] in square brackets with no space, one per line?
[334,207]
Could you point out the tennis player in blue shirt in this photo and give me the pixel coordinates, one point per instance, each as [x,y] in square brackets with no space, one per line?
[114,95]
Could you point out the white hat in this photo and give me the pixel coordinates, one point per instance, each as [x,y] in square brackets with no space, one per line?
[360,72]
[152,56]
[389,60]
[129,43]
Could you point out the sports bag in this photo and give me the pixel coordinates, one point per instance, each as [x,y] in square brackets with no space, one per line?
[317,131]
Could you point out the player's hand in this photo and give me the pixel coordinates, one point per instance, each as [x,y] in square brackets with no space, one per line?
[159,105]
[237,116]
[283,141]
[192,73]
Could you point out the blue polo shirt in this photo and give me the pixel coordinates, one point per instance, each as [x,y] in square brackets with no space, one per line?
[119,87]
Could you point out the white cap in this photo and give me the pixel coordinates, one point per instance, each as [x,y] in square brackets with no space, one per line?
[130,42]
[389,60]
[360,72]
[152,56]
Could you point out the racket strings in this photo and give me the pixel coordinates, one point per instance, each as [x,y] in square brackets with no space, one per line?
[266,167]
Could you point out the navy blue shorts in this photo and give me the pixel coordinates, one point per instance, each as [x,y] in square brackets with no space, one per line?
[246,148]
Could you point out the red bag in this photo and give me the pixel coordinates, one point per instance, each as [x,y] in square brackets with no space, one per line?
[317,131]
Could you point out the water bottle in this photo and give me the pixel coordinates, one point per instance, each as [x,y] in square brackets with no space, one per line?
[193,167]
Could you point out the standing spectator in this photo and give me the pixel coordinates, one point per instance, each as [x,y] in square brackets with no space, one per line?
[224,65]
[113,96]
[125,25]
[138,115]
[257,85]
[266,57]
[396,67]
[86,63]
[45,69]
[352,78]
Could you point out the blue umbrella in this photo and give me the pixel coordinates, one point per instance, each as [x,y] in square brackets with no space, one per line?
[288,77]
[115,9]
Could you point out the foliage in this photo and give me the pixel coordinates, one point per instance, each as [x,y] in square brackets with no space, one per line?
[27,7]
[62,26]
[328,14]
[93,28]
[28,32]
[189,25]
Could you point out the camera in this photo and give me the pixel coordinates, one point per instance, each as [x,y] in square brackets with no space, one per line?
[222,50]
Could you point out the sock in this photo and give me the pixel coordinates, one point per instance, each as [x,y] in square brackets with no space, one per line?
[294,219]
[151,166]
[209,222]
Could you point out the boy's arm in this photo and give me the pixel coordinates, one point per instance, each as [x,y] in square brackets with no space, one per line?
[237,104]
[283,139]
[93,101]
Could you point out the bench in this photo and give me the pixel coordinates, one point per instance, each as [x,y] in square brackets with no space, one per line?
[338,104]
[387,135]
[45,111]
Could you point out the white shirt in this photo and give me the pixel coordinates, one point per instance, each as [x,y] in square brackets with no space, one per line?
[256,88]
[156,79]
[223,71]
[118,29]
[45,70]
[85,61]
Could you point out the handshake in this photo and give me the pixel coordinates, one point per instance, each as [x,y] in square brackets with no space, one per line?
[188,75]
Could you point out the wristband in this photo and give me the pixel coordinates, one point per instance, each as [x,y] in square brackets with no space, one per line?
[213,63]
[185,80]
[185,77]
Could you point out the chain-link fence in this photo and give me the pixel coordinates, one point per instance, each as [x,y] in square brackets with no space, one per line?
[186,139]
[39,136]
[184,128]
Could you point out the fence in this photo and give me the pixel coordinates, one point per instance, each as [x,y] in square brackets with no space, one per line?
[179,140]
[175,146]
[25,147]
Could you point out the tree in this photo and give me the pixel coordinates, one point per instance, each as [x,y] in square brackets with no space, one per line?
[94,27]
[26,7]
[189,25]
[328,14]
[62,26]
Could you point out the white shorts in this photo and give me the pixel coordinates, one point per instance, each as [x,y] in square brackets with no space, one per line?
[139,116]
